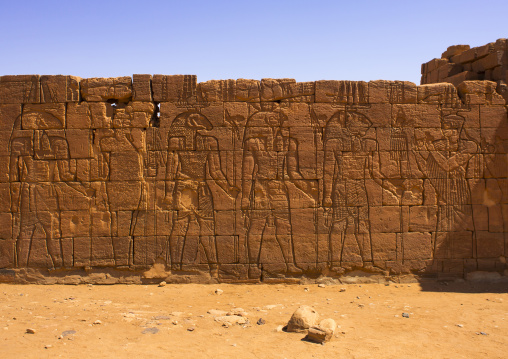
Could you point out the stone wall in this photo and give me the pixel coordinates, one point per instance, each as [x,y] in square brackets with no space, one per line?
[246,180]
[461,63]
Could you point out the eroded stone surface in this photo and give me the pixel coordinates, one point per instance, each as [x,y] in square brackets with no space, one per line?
[169,179]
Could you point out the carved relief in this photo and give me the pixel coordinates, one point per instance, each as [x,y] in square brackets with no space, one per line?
[251,180]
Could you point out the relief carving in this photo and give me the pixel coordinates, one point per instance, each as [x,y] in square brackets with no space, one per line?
[251,180]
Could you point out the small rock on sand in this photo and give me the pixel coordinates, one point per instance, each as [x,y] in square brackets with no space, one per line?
[261,321]
[218,291]
[328,324]
[231,319]
[150,331]
[302,319]
[217,312]
[319,335]
[30,331]
[162,284]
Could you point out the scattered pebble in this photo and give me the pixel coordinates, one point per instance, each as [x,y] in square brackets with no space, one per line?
[30,331]
[460,325]
[162,317]
[321,285]
[162,284]
[261,321]
[483,333]
[47,346]
[150,331]
[405,315]
[68,332]
[342,289]
[190,329]
[97,322]
[306,289]
[218,291]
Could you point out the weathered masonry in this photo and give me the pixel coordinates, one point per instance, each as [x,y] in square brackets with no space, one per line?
[245,180]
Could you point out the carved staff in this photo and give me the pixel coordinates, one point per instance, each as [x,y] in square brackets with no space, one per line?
[318,135]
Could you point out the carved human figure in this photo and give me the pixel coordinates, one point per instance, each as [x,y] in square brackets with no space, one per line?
[119,160]
[350,159]
[192,156]
[42,165]
[270,161]
[446,162]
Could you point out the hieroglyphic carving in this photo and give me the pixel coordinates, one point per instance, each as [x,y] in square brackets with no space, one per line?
[270,161]
[445,162]
[350,158]
[191,155]
[333,175]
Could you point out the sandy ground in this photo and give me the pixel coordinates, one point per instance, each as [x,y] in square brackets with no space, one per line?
[445,321]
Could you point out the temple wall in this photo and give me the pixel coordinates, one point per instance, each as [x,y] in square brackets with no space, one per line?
[246,180]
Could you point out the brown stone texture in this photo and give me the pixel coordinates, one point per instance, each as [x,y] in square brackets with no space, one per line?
[461,63]
[247,180]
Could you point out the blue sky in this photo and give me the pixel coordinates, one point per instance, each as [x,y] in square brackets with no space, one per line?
[305,40]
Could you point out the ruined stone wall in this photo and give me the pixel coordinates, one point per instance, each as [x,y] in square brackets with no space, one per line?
[250,180]
[461,63]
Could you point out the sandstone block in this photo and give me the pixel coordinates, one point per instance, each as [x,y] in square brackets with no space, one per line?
[103,89]
[216,91]
[489,245]
[435,64]
[464,57]
[10,116]
[319,335]
[342,92]
[20,89]
[480,92]
[141,87]
[43,116]
[384,246]
[422,218]
[454,50]
[394,92]
[385,219]
[439,94]
[281,89]
[488,62]
[248,90]
[461,77]
[493,116]
[175,88]
[59,88]
[417,245]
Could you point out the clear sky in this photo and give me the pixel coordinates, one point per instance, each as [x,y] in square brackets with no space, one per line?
[214,39]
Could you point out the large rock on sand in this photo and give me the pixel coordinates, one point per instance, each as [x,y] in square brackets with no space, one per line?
[302,319]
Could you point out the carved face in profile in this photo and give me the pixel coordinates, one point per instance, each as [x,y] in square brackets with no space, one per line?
[357,124]
[198,122]
[450,127]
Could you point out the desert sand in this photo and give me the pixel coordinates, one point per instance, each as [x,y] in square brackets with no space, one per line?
[441,320]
